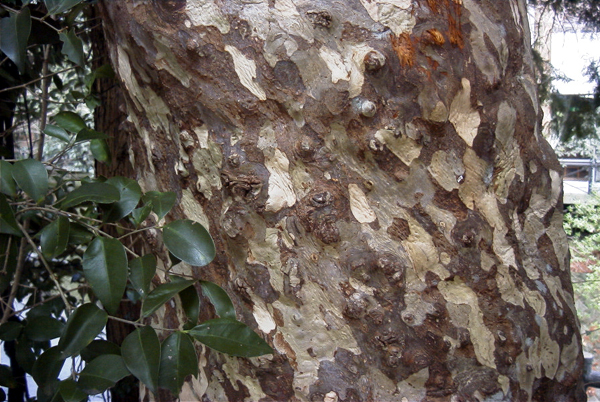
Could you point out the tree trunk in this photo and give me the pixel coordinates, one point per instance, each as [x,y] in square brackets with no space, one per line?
[386,212]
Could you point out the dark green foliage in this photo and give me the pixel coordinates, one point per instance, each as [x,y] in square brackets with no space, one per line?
[587,12]
[574,116]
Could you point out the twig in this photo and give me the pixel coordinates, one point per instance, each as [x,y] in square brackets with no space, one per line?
[79,219]
[42,20]
[49,298]
[47,266]
[44,111]
[26,104]
[7,255]
[16,278]
[38,79]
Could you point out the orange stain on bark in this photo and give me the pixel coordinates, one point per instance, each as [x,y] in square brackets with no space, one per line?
[404,48]
[453,9]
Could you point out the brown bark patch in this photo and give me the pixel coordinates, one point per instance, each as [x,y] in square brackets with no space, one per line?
[399,229]
[546,248]
[450,201]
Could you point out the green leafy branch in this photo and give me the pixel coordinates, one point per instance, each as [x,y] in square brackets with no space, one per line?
[28,196]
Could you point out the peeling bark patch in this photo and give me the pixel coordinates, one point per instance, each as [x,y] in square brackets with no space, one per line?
[446,168]
[206,13]
[335,63]
[465,119]
[395,14]
[281,188]
[246,71]
[457,293]
[406,149]
[359,205]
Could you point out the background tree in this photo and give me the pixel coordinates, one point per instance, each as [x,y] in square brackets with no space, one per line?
[386,211]
[573,116]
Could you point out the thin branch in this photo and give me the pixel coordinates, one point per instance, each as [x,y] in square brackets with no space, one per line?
[44,111]
[47,266]
[16,279]
[49,298]
[26,104]
[38,79]
[7,256]
[42,20]
[79,219]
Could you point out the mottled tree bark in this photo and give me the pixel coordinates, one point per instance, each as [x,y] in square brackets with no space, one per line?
[386,212]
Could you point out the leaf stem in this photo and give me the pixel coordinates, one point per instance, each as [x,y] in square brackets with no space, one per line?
[139,324]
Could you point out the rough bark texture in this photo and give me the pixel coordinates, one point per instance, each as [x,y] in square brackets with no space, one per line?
[386,212]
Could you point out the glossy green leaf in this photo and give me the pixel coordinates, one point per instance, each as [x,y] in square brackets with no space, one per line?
[190,301]
[219,299]
[178,360]
[102,373]
[189,241]
[105,268]
[60,6]
[57,132]
[10,330]
[130,194]
[163,293]
[231,337]
[70,392]
[72,47]
[83,325]
[6,377]
[99,347]
[43,328]
[8,223]
[55,237]
[161,202]
[100,150]
[139,215]
[142,270]
[25,356]
[88,134]
[69,121]
[79,234]
[7,183]
[47,367]
[141,353]
[94,192]
[32,177]
[104,71]
[92,101]
[174,260]
[14,34]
